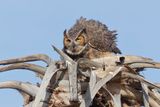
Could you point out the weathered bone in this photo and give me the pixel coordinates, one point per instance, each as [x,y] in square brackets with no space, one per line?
[43,95]
[21,86]
[37,57]
[32,67]
[72,72]
[98,66]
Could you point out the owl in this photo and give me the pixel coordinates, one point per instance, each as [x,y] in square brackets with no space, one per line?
[89,39]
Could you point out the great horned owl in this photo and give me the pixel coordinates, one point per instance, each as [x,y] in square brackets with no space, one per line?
[89,39]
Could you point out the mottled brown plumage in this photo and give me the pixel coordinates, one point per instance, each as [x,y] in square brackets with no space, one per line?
[90,39]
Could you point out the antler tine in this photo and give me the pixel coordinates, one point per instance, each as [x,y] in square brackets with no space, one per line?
[25,87]
[62,54]
[36,57]
[32,67]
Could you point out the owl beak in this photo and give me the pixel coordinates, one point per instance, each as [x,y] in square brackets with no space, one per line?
[73,45]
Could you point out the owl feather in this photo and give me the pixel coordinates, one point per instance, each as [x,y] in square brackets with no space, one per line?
[100,37]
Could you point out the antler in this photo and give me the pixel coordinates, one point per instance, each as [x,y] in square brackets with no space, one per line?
[132,61]
[32,67]
[20,86]
[37,57]
[102,72]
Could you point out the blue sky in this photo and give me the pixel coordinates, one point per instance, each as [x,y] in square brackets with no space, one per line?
[31,26]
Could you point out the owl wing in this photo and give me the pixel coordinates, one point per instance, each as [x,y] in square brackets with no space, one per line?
[104,42]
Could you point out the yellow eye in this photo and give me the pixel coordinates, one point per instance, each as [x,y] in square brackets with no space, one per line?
[66,40]
[80,39]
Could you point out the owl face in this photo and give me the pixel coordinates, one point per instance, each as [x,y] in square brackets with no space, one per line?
[74,44]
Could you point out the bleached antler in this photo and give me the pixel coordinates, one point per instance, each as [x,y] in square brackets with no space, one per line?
[37,57]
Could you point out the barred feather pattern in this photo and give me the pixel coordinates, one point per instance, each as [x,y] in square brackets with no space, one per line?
[98,35]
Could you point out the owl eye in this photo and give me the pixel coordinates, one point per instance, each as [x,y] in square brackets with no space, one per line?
[80,38]
[67,40]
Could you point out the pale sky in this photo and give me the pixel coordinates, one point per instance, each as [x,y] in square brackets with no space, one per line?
[30,26]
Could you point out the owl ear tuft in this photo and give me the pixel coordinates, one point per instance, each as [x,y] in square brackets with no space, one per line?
[65,32]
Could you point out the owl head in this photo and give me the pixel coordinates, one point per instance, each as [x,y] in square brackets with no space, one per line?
[75,44]
[89,34]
